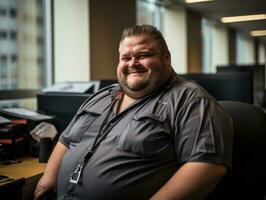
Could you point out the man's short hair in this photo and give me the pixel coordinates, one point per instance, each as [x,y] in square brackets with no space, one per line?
[147,29]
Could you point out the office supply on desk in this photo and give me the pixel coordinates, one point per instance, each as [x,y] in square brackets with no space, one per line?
[43,130]
[10,162]
[70,87]
[88,87]
[46,147]
[4,120]
[25,114]
[13,138]
[4,178]
[44,133]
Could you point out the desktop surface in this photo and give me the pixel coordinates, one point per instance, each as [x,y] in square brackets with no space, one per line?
[27,168]
[23,178]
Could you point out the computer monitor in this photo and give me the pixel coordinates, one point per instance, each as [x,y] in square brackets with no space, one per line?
[231,87]
[64,105]
[258,79]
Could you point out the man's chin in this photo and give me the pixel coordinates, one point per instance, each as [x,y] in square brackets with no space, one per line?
[136,86]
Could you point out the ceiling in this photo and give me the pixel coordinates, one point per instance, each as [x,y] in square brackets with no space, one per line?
[224,8]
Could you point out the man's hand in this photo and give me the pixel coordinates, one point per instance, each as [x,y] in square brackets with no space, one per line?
[45,186]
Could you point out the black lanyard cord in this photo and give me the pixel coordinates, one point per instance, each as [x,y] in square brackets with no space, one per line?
[105,128]
[75,176]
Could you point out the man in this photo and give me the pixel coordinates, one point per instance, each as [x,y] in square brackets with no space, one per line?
[153,136]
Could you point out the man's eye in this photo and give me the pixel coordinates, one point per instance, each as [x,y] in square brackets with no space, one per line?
[125,59]
[144,56]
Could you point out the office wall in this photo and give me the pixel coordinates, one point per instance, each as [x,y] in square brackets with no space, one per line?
[231,46]
[174,31]
[107,21]
[71,40]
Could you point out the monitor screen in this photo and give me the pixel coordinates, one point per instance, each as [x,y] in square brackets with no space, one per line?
[258,78]
[64,105]
[231,87]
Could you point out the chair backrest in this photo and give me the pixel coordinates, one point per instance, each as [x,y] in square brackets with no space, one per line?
[247,179]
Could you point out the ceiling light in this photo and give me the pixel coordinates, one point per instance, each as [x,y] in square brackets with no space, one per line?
[243,18]
[258,33]
[196,1]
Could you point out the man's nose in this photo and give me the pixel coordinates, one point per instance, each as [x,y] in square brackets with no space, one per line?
[133,62]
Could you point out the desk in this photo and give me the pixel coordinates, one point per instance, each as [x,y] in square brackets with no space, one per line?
[25,175]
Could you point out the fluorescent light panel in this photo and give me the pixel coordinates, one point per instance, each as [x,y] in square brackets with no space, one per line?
[196,1]
[243,18]
[258,33]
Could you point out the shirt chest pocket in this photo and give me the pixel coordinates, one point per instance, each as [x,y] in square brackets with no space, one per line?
[145,135]
[85,124]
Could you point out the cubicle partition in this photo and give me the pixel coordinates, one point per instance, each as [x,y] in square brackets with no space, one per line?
[258,79]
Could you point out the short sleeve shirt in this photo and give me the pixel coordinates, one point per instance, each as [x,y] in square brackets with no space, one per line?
[145,144]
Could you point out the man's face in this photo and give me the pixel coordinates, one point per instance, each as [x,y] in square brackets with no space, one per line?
[142,67]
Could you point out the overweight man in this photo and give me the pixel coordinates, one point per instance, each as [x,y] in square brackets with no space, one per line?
[152,136]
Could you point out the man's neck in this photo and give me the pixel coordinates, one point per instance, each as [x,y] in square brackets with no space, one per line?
[125,102]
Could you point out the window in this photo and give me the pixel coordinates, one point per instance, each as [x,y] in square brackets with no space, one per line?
[14,58]
[3,34]
[23,49]
[13,12]
[150,12]
[244,50]
[206,45]
[39,20]
[2,12]
[13,35]
[3,59]
[215,45]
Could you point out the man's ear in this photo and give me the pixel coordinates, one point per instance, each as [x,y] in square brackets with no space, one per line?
[167,57]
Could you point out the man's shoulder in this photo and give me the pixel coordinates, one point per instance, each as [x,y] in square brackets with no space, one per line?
[188,89]
[101,97]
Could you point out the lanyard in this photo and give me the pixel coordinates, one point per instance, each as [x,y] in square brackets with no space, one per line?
[105,129]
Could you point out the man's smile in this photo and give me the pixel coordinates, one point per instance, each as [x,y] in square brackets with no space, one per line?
[136,71]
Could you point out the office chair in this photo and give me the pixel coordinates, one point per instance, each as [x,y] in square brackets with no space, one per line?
[247,179]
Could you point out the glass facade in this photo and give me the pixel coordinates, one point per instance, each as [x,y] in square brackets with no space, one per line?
[22,41]
[206,45]
[244,50]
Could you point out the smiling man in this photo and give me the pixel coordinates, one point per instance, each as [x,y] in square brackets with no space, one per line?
[153,136]
[143,66]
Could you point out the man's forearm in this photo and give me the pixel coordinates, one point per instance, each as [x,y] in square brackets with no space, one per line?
[55,159]
[192,181]
[47,183]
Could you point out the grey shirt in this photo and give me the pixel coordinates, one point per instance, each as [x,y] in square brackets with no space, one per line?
[145,144]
